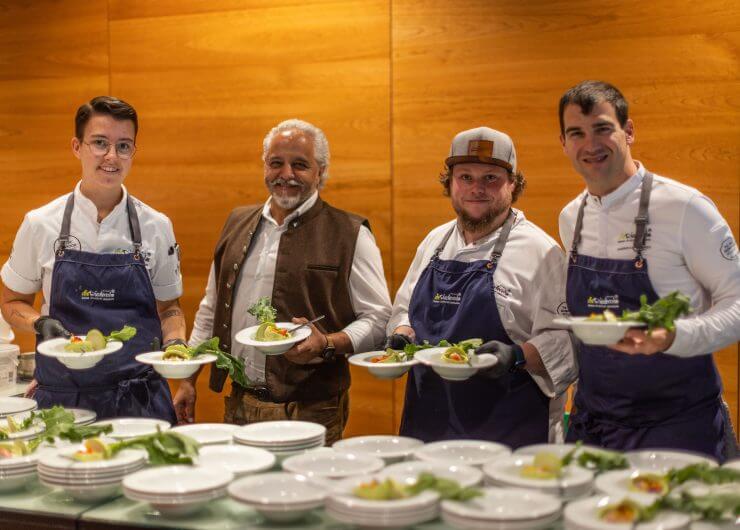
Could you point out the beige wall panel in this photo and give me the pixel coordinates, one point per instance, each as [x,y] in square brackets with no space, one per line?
[462,64]
[209,83]
[53,57]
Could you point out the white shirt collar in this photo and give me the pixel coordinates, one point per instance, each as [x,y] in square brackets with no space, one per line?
[88,208]
[303,208]
[485,240]
[620,194]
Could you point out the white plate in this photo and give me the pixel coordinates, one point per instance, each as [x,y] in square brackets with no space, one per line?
[454,372]
[505,504]
[381,370]
[62,461]
[15,405]
[467,523]
[733,464]
[174,369]
[466,452]
[385,520]
[388,447]
[574,482]
[343,497]
[76,361]
[83,416]
[275,347]
[277,490]
[597,333]
[619,484]
[208,433]
[238,459]
[124,428]
[583,515]
[661,461]
[36,427]
[408,472]
[279,433]
[332,465]
[557,449]
[176,481]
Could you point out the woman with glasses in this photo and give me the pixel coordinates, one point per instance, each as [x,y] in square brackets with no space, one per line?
[102,259]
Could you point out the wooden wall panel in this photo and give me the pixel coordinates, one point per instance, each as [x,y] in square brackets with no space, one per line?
[505,64]
[210,82]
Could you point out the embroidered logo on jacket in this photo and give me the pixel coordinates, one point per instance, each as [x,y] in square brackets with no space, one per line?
[448,298]
[728,249]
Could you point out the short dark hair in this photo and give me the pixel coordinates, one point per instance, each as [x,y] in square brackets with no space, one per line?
[108,105]
[586,94]
[517,178]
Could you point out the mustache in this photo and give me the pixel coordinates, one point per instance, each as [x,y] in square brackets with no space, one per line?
[285,182]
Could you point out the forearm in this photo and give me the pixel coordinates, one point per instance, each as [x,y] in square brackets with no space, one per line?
[17,309]
[534,364]
[342,342]
[172,320]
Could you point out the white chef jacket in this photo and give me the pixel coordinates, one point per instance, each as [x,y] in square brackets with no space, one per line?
[530,292]
[29,267]
[367,286]
[689,248]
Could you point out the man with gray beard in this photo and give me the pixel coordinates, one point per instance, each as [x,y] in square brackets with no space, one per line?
[310,259]
[488,274]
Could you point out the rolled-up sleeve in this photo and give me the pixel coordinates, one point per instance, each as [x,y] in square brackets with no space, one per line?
[166,276]
[203,323]
[23,272]
[368,294]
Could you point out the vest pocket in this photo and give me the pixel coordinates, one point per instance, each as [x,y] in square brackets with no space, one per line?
[325,268]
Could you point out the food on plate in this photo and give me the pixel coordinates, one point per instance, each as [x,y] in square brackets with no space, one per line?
[14,449]
[545,465]
[178,352]
[649,483]
[703,472]
[235,366]
[94,449]
[598,461]
[626,511]
[455,355]
[392,356]
[388,489]
[95,340]
[163,448]
[662,314]
[268,331]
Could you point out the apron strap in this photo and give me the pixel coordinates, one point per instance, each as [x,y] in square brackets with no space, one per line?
[577,232]
[133,223]
[503,238]
[442,244]
[642,218]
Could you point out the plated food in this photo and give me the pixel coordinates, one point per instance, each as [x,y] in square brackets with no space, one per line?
[449,364]
[268,330]
[80,353]
[94,340]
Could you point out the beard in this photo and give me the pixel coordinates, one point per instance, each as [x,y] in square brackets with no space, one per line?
[483,223]
[287,202]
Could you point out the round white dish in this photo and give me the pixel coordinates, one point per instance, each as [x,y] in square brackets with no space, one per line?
[280,433]
[432,357]
[408,472]
[277,347]
[240,460]
[465,452]
[381,370]
[388,447]
[174,369]
[619,484]
[16,405]
[176,482]
[125,428]
[76,361]
[583,515]
[208,433]
[332,465]
[597,333]
[505,504]
[659,460]
[278,496]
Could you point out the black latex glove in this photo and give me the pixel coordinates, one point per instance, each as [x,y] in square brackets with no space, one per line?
[172,342]
[50,328]
[398,341]
[506,355]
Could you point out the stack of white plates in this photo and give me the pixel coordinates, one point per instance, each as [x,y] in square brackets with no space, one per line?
[390,448]
[574,481]
[177,490]
[461,452]
[88,481]
[240,460]
[83,416]
[345,507]
[208,433]
[125,428]
[332,465]
[16,405]
[280,497]
[408,472]
[282,438]
[18,471]
[503,509]
[584,515]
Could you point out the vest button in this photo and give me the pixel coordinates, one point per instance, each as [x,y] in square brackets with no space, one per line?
[295,224]
[226,305]
[236,266]
[226,346]
[228,285]
[225,325]
[244,250]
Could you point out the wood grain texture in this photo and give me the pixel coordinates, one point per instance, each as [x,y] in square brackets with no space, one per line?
[390,82]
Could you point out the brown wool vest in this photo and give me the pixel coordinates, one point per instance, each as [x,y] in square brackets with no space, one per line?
[311,278]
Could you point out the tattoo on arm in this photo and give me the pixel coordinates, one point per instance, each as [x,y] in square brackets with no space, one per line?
[170,313]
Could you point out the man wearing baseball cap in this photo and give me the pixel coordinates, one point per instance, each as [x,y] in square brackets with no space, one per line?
[488,274]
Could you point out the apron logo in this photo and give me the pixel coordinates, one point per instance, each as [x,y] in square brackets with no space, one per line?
[563,309]
[103,295]
[728,249]
[610,301]
[449,298]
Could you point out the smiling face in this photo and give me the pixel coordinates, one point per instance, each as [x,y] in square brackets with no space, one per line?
[598,146]
[481,194]
[107,171]
[292,173]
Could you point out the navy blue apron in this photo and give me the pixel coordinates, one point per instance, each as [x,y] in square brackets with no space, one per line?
[637,401]
[455,301]
[104,291]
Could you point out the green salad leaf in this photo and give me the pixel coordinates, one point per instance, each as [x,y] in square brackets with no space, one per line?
[225,361]
[263,310]
[703,472]
[163,448]
[123,334]
[663,313]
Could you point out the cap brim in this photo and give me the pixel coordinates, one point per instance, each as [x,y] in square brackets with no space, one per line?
[468,159]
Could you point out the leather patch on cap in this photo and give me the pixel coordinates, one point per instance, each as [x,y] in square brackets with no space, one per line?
[480,148]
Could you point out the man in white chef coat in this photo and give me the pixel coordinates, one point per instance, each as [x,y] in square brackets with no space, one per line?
[490,274]
[633,233]
[310,259]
